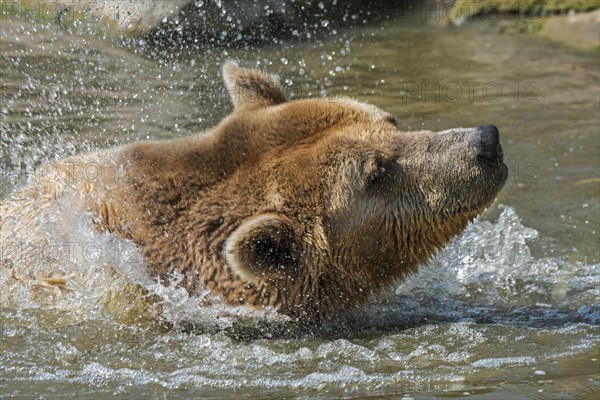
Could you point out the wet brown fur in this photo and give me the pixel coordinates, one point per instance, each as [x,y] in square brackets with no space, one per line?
[346,203]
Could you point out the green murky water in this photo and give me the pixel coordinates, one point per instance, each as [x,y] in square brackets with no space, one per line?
[509,310]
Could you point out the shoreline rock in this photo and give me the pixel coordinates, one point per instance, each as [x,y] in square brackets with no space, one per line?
[578,30]
[473,9]
[220,22]
[575,23]
[239,22]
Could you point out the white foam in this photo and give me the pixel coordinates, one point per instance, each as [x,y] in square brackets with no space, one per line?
[489,266]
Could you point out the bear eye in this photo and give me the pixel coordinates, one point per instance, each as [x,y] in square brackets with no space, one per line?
[378,175]
[392,120]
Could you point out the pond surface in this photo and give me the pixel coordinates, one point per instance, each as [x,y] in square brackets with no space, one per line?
[508,310]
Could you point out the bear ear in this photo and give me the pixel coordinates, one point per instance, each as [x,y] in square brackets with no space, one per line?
[263,246]
[251,87]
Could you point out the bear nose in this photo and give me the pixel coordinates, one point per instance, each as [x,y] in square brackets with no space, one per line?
[489,145]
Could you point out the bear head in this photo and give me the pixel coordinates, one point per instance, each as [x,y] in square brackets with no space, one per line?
[334,202]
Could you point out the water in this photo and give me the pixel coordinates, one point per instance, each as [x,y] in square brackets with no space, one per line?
[509,309]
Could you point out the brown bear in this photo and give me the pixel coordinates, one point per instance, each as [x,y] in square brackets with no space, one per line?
[308,206]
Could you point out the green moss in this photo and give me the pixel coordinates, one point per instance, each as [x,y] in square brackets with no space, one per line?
[475,8]
[68,18]
[526,26]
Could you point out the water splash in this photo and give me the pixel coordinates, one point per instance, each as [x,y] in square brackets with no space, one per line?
[491,265]
[486,274]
